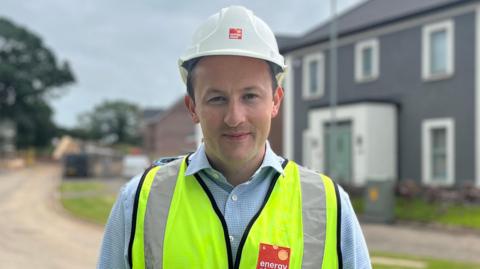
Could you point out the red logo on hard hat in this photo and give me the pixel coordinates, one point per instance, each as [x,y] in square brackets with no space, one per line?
[270,256]
[235,33]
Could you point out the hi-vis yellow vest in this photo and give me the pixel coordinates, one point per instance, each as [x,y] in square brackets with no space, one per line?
[177,224]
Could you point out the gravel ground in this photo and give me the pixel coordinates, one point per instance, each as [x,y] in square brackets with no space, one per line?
[35,231]
[446,244]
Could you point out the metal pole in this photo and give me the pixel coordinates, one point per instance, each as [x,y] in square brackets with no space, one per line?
[333,86]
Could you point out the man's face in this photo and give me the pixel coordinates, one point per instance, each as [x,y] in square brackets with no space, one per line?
[234,104]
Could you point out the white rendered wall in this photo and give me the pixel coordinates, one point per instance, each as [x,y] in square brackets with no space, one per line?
[374,140]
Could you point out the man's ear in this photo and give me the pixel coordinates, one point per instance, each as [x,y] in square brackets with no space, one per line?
[190,104]
[277,101]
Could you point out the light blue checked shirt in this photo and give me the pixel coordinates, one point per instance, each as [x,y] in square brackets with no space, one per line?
[238,205]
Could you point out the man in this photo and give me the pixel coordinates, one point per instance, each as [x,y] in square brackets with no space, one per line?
[233,203]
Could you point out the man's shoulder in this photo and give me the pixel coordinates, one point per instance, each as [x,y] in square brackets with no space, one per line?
[162,162]
[166,160]
[130,188]
[316,173]
[308,170]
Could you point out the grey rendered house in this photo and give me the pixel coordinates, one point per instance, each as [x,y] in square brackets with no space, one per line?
[408,94]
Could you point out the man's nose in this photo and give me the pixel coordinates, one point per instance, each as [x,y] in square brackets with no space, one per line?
[235,114]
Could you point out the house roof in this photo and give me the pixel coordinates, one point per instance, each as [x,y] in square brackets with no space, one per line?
[369,14]
[284,41]
[149,113]
[164,113]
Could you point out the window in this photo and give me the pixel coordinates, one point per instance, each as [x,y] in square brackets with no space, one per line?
[438,47]
[438,152]
[313,75]
[366,60]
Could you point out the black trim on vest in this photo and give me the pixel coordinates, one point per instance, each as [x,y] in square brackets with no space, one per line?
[187,161]
[134,214]
[284,164]
[339,226]
[220,216]
[255,217]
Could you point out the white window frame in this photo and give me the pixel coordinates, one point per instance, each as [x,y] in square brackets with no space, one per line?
[449,28]
[288,108]
[306,76]
[359,72]
[427,126]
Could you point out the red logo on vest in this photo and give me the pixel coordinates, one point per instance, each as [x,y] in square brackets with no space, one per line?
[273,257]
[235,33]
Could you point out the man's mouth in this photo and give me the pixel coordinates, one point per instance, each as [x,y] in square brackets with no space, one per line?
[236,136]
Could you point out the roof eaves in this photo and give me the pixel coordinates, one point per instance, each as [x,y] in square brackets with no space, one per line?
[391,101]
[371,26]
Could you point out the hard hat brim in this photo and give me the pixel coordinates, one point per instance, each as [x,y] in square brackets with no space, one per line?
[230,52]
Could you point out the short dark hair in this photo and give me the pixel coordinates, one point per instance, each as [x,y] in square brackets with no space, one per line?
[190,66]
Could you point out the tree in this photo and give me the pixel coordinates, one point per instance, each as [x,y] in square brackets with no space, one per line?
[114,122]
[29,75]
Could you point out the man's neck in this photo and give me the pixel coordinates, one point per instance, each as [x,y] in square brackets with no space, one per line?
[237,173]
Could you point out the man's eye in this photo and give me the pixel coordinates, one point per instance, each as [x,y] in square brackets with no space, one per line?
[250,96]
[217,99]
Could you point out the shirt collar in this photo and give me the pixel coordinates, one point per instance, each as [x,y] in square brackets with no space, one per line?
[198,161]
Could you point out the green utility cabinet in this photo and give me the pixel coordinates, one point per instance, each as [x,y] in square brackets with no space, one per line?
[379,201]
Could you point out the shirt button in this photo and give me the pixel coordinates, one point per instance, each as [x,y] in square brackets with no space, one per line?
[231,238]
[234,197]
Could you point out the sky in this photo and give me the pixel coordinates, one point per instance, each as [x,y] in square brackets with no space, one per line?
[128,50]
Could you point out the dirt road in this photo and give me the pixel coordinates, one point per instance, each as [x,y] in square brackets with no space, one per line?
[423,242]
[35,232]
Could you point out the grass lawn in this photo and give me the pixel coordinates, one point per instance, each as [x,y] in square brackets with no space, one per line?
[454,214]
[88,200]
[428,263]
[467,216]
[81,186]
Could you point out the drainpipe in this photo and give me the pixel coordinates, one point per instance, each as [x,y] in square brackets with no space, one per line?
[333,82]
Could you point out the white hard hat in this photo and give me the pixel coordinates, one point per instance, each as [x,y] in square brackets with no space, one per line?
[234,30]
